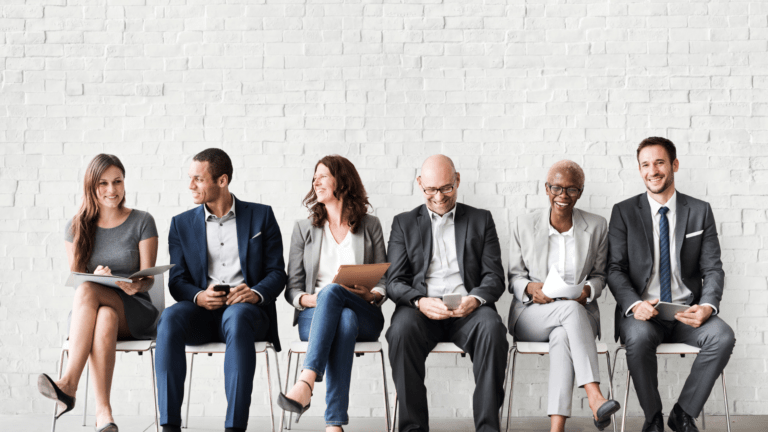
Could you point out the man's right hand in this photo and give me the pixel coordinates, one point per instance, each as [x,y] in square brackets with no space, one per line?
[210,299]
[644,311]
[434,308]
[534,290]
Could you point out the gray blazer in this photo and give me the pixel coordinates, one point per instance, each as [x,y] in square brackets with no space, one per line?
[529,250]
[304,256]
[697,251]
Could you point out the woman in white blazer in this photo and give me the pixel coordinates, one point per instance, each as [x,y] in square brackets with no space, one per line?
[573,243]
[332,317]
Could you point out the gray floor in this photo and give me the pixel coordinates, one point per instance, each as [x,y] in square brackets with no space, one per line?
[70,423]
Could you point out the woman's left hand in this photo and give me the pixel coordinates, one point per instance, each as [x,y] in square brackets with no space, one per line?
[584,295]
[361,292]
[138,285]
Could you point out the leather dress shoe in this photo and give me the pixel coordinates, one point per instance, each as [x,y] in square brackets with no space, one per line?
[655,425]
[680,421]
[234,429]
[171,428]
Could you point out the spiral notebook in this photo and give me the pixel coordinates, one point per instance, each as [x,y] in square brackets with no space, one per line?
[366,275]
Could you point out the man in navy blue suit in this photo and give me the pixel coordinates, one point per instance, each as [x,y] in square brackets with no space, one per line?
[224,241]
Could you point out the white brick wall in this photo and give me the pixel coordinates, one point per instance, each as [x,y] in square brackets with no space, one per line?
[505,88]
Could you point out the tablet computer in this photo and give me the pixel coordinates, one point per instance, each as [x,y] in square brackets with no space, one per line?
[667,311]
[367,275]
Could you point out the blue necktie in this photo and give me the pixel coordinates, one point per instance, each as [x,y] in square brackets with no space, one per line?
[665,271]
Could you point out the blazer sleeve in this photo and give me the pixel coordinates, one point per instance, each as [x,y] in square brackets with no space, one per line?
[400,273]
[272,262]
[379,255]
[596,276]
[297,275]
[518,272]
[710,265]
[491,285]
[180,279]
[618,262]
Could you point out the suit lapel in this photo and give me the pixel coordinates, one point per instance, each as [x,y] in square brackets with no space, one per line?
[583,243]
[201,240]
[681,222]
[541,239]
[243,222]
[358,244]
[460,231]
[647,220]
[425,233]
[316,237]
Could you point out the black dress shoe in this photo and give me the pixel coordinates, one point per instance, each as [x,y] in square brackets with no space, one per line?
[680,421]
[171,428]
[605,412]
[234,429]
[49,389]
[655,425]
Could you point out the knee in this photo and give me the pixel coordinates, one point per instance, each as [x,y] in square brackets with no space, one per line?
[723,340]
[237,321]
[171,321]
[491,327]
[86,294]
[640,337]
[573,309]
[404,330]
[348,323]
[107,321]
[558,336]
[332,290]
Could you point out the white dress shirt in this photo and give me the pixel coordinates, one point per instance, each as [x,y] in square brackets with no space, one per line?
[223,253]
[680,293]
[443,275]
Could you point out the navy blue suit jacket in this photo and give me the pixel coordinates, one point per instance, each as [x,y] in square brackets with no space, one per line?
[261,257]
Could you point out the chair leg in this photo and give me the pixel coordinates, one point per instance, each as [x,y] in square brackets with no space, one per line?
[610,385]
[703,419]
[279,383]
[87,381]
[61,369]
[269,390]
[287,380]
[295,379]
[386,392]
[189,390]
[626,398]
[154,388]
[725,398]
[511,385]
[394,417]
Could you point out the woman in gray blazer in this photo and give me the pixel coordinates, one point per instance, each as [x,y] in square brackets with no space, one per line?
[574,244]
[330,316]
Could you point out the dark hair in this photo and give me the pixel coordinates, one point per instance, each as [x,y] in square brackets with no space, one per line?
[83,227]
[652,141]
[349,190]
[219,163]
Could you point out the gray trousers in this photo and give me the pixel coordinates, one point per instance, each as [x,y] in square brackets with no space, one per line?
[571,332]
[714,337]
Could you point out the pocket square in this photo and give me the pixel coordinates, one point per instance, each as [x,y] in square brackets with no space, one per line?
[256,235]
[694,234]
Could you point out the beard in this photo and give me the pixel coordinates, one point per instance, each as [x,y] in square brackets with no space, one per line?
[668,180]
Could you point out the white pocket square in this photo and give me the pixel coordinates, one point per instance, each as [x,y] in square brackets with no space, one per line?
[256,235]
[694,234]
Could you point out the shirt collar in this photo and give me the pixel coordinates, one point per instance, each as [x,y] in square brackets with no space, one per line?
[671,204]
[553,231]
[449,217]
[231,211]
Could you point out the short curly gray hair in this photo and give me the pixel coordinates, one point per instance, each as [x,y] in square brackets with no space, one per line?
[566,166]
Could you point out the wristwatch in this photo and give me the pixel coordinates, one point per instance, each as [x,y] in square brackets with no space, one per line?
[416,302]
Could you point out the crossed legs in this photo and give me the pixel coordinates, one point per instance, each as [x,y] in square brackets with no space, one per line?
[98,318]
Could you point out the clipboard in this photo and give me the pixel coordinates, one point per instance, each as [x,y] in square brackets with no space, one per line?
[667,311]
[366,275]
[75,279]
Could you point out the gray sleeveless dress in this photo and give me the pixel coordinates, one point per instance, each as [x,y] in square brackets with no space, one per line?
[118,248]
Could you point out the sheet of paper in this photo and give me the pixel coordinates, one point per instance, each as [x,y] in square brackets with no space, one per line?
[75,279]
[555,287]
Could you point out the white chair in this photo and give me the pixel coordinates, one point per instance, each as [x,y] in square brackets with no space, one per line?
[212,348]
[157,295]
[444,348]
[542,348]
[682,350]
[361,348]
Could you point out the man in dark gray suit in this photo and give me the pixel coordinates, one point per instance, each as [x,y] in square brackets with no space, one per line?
[438,249]
[663,247]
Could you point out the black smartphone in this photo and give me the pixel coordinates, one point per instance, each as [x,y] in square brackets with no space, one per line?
[222,287]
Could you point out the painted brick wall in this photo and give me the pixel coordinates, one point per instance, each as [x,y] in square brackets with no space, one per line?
[505,88]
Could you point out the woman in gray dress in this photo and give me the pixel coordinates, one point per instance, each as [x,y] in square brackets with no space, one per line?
[107,238]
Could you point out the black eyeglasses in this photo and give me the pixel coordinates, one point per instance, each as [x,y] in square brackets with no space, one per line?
[557,190]
[443,190]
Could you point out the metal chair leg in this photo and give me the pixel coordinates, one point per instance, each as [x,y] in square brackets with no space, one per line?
[56,405]
[87,381]
[504,389]
[269,390]
[511,385]
[626,398]
[287,380]
[154,389]
[295,379]
[189,390]
[386,392]
[610,385]
[279,383]
[725,399]
[394,417]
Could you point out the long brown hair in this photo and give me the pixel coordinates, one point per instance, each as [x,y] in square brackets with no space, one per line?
[84,223]
[349,190]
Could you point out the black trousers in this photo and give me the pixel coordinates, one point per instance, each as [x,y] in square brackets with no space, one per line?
[482,335]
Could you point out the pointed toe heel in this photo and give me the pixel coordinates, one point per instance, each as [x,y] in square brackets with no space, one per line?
[49,389]
[293,406]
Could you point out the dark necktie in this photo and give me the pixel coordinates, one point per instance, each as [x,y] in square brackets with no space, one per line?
[665,271]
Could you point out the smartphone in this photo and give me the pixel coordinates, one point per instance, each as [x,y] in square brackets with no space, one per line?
[453,301]
[222,287]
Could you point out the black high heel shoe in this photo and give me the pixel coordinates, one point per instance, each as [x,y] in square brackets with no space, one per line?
[49,389]
[293,406]
[605,412]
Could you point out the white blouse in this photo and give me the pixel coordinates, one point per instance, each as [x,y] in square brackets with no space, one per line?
[333,255]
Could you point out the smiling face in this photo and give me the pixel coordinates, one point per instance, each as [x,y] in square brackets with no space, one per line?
[110,188]
[562,205]
[657,171]
[324,185]
[204,189]
[438,172]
